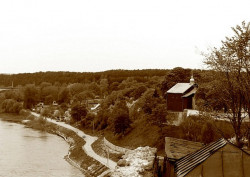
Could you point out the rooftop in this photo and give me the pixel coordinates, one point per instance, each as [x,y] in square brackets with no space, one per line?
[180,88]
[178,148]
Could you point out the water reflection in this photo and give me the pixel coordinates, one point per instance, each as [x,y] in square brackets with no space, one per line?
[29,153]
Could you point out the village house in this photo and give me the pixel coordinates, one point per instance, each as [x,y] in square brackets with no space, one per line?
[181,96]
[217,159]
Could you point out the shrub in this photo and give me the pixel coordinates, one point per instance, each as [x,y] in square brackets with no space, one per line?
[11,106]
[198,128]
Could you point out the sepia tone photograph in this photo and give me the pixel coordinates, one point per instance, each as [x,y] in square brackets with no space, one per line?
[135,88]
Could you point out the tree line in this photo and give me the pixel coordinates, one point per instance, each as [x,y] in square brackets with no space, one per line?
[77,77]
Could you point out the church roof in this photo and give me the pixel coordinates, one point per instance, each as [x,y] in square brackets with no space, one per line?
[180,88]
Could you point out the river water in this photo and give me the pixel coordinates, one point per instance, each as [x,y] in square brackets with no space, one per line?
[25,152]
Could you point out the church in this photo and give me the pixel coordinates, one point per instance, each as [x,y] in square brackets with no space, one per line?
[181,96]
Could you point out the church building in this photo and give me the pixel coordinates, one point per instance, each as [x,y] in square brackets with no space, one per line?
[181,96]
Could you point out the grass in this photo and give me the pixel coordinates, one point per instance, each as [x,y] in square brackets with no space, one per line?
[143,134]
[99,147]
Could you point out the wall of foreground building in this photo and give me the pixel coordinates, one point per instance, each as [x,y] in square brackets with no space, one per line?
[228,161]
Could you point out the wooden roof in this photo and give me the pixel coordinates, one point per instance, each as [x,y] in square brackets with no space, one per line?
[178,148]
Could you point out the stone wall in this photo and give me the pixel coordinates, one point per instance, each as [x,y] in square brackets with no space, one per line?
[114,147]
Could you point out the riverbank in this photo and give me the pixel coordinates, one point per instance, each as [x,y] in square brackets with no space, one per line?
[76,156]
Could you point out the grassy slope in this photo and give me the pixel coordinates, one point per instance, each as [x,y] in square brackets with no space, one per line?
[144,134]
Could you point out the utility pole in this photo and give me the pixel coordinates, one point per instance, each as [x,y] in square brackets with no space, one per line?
[107,151]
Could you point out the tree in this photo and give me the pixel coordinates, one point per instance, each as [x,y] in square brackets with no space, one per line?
[30,96]
[64,95]
[159,115]
[232,63]
[76,88]
[83,96]
[104,86]
[120,116]
[49,94]
[78,112]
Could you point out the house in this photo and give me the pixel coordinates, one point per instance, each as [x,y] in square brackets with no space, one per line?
[181,96]
[218,159]
[175,149]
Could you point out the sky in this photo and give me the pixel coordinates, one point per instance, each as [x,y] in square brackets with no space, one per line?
[99,35]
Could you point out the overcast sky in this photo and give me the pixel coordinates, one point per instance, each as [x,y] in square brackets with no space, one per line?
[98,35]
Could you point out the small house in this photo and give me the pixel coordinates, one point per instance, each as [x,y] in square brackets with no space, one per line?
[181,96]
[217,159]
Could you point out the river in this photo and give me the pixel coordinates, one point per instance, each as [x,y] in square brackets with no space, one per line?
[25,152]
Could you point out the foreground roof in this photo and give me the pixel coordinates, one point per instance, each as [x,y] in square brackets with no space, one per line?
[180,88]
[189,162]
[178,148]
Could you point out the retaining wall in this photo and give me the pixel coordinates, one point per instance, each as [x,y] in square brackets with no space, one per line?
[114,147]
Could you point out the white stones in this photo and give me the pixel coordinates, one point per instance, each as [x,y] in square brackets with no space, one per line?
[135,162]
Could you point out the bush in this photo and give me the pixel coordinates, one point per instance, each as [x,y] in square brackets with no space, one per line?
[23,112]
[45,112]
[11,106]
[88,120]
[198,128]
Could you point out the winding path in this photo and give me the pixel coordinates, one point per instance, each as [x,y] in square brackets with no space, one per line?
[89,141]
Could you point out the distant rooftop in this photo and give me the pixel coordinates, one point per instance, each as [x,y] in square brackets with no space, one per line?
[180,88]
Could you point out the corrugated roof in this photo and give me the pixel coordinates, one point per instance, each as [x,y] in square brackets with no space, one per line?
[189,162]
[178,148]
[180,88]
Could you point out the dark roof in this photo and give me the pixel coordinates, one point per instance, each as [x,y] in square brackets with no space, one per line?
[178,148]
[189,162]
[180,88]
[190,93]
